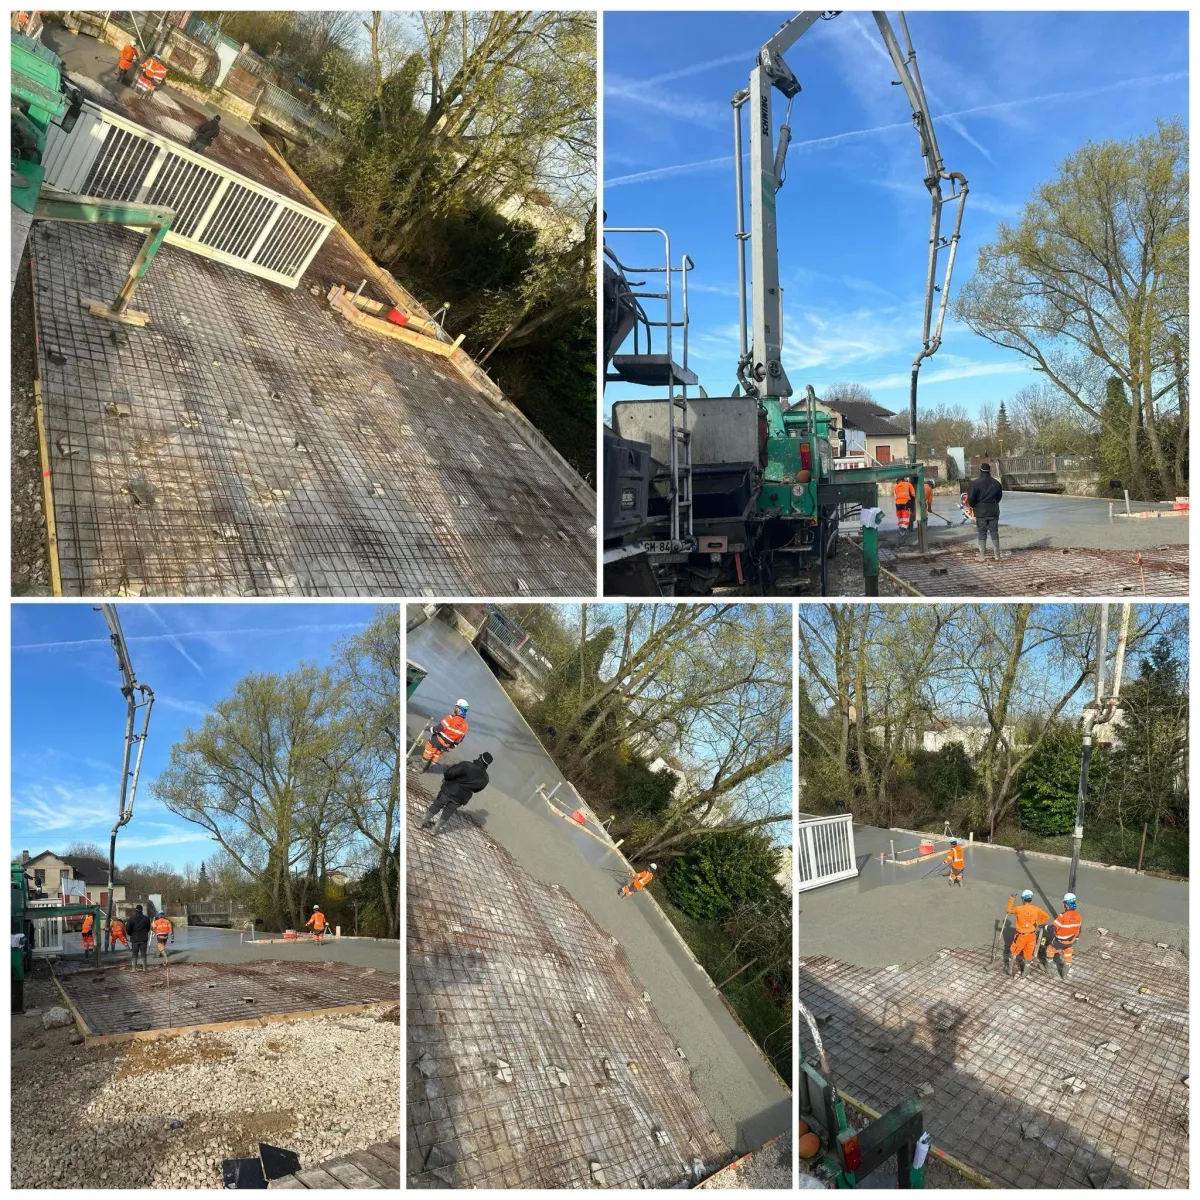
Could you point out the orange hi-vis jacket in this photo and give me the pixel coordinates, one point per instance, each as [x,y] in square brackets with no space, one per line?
[162,926]
[642,879]
[451,729]
[1067,925]
[317,921]
[928,495]
[154,72]
[904,492]
[128,55]
[117,928]
[955,858]
[89,923]
[1029,916]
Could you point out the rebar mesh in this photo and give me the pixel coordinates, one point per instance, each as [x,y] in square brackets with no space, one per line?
[121,1000]
[998,1055]
[249,442]
[1081,571]
[507,975]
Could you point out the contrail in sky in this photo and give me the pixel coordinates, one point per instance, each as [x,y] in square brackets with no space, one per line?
[999,106]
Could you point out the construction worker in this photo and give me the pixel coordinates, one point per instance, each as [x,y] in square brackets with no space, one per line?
[1067,926]
[638,880]
[906,501]
[957,862]
[205,134]
[127,63]
[928,497]
[138,929]
[983,499]
[88,929]
[1029,918]
[317,924]
[116,933]
[152,76]
[449,732]
[459,784]
[163,929]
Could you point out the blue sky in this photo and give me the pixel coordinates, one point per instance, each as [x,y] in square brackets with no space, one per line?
[68,715]
[1028,89]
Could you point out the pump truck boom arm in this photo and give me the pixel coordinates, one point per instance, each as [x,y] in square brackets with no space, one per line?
[760,369]
[137,696]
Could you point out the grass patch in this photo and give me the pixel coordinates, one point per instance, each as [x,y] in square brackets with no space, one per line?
[766,1016]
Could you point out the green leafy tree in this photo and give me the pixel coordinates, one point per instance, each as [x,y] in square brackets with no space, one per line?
[1050,781]
[1004,438]
[1093,281]
[720,873]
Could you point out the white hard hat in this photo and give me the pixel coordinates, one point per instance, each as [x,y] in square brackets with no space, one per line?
[1027,894]
[654,866]
[1069,898]
[316,907]
[461,704]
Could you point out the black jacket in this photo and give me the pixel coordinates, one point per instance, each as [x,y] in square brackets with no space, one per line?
[985,496]
[463,780]
[138,927]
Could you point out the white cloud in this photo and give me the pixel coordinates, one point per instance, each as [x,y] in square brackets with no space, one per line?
[194,707]
[950,373]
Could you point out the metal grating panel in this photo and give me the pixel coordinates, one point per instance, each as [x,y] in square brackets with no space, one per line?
[186,187]
[290,243]
[240,217]
[121,166]
[252,228]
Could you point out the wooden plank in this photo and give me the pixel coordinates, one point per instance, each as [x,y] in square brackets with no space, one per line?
[288,1181]
[379,1166]
[314,1177]
[350,1175]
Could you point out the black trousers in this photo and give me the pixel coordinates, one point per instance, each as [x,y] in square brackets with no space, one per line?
[138,949]
[441,801]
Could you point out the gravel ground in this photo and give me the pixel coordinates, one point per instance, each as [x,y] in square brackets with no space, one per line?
[164,1113]
[770,1167]
[28,563]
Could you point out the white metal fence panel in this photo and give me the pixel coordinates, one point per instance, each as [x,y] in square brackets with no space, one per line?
[826,850]
[47,931]
[219,213]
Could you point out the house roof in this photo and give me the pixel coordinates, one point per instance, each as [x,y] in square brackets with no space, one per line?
[93,871]
[870,418]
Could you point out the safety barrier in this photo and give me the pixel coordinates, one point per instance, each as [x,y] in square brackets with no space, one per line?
[219,214]
[826,850]
[47,931]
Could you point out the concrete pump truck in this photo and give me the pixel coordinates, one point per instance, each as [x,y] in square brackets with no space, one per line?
[747,492]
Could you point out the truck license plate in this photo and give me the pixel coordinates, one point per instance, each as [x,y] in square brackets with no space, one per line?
[662,547]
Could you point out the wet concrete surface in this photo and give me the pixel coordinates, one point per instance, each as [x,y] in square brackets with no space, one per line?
[198,944]
[894,913]
[1038,519]
[898,914]
[746,1099]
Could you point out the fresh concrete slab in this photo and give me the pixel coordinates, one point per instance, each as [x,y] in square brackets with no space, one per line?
[897,914]
[746,1098]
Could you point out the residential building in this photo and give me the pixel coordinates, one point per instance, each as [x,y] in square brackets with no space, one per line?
[49,870]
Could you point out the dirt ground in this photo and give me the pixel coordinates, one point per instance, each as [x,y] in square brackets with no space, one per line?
[30,569]
[164,1113]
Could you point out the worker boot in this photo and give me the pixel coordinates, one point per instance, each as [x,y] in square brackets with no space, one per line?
[979,554]
[996,551]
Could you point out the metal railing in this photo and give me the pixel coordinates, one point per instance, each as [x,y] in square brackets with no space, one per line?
[219,214]
[825,850]
[517,642]
[284,102]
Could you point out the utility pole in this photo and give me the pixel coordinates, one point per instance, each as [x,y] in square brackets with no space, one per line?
[1101,711]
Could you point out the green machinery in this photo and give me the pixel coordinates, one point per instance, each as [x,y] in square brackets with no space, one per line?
[414,673]
[43,97]
[23,915]
[706,494]
[848,1156]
